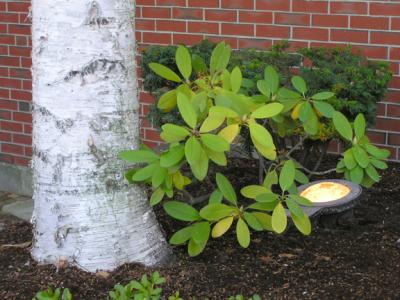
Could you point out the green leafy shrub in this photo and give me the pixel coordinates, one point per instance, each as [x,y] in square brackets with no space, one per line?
[357,82]
[51,294]
[214,111]
[145,289]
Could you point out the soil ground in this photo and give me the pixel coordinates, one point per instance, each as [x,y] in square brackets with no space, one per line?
[356,260]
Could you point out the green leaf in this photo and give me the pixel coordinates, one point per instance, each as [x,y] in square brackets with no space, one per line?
[201,232]
[378,164]
[182,236]
[216,197]
[173,133]
[229,133]
[271,179]
[222,227]
[200,168]
[252,191]
[138,156]
[145,173]
[305,111]
[211,123]
[267,206]
[198,64]
[349,160]
[195,249]
[302,223]
[217,157]
[181,211]
[164,72]
[220,111]
[262,140]
[215,142]
[158,177]
[359,126]
[342,125]
[184,61]
[172,157]
[193,150]
[322,96]
[267,111]
[252,221]
[376,152]
[357,174]
[267,197]
[294,208]
[299,84]
[236,79]
[264,88]
[186,110]
[300,177]
[372,173]
[361,156]
[226,188]
[167,101]
[264,219]
[216,211]
[287,175]
[324,108]
[243,233]
[272,79]
[301,200]
[157,197]
[312,124]
[279,219]
[220,57]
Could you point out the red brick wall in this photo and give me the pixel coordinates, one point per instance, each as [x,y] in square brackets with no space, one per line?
[371,26]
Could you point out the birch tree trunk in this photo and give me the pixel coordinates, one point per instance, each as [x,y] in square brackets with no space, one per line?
[85,112]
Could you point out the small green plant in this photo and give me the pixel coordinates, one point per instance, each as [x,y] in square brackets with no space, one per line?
[145,289]
[51,294]
[215,113]
[175,297]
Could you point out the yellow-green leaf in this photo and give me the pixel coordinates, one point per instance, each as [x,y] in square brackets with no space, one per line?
[230,132]
[167,101]
[267,111]
[215,142]
[186,110]
[252,191]
[243,233]
[302,223]
[211,123]
[184,61]
[279,219]
[164,72]
[221,227]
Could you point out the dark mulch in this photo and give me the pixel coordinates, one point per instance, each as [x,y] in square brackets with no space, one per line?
[354,261]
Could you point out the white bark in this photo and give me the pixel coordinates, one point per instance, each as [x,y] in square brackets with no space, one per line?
[85,112]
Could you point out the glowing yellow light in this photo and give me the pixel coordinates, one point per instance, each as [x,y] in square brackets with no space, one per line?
[325,192]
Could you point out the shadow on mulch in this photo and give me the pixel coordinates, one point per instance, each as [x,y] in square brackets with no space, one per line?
[354,261]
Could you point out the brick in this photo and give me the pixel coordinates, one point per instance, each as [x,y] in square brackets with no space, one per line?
[203,27]
[21,161]
[394,139]
[28,151]
[3,50]
[21,95]
[157,38]
[10,83]
[240,4]
[170,25]
[310,6]
[146,98]
[4,72]
[5,137]
[5,115]
[22,117]
[187,39]
[6,158]
[145,2]
[7,39]
[355,36]
[156,12]
[395,24]
[188,13]
[28,128]
[26,62]
[27,85]
[292,19]
[344,7]
[387,124]
[145,24]
[24,106]
[395,53]
[152,135]
[237,29]
[9,18]
[203,3]
[272,31]
[393,111]
[20,51]
[220,15]
[18,6]
[261,44]
[5,104]
[376,52]
[19,29]
[255,17]
[3,6]
[171,2]
[330,21]
[22,139]
[388,38]
[305,33]
[384,9]
[11,126]
[377,137]
[364,22]
[20,73]
[233,42]
[9,61]
[283,5]
[12,149]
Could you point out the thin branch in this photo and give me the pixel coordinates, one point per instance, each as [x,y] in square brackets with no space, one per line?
[312,172]
[296,146]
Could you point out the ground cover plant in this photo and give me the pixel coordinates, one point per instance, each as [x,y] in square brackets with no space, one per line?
[217,112]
